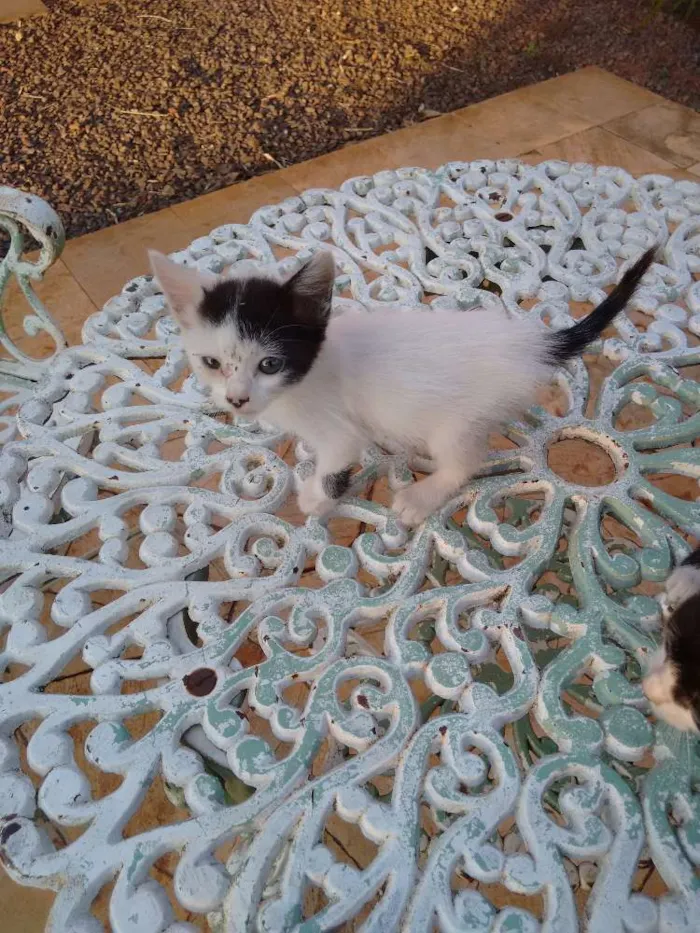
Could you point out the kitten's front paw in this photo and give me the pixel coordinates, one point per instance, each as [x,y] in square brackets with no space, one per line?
[681,586]
[312,500]
[410,506]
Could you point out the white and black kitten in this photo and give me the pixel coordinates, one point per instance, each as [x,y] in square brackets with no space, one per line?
[436,382]
[673,683]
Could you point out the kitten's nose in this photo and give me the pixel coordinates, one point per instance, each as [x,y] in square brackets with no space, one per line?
[237,402]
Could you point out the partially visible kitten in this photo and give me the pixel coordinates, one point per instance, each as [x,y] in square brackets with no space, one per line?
[673,684]
[437,382]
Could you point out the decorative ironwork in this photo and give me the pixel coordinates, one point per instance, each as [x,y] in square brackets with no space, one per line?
[216,708]
[26,218]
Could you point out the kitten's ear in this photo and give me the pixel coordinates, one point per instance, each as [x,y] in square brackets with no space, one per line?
[312,289]
[183,287]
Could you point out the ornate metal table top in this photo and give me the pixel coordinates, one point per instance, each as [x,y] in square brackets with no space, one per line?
[215,712]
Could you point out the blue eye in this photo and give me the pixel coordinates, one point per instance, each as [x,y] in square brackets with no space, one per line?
[271,365]
[211,363]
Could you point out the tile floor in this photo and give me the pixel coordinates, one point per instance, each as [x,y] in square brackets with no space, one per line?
[14,10]
[11,10]
[588,116]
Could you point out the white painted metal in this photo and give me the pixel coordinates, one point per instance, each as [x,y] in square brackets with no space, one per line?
[459,708]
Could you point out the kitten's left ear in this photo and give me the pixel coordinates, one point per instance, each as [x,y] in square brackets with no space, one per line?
[183,287]
[312,289]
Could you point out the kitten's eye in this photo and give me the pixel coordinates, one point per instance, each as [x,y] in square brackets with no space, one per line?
[271,365]
[211,363]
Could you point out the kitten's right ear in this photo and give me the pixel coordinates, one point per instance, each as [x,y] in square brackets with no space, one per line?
[183,287]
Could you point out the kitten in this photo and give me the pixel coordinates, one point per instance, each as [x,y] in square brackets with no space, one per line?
[433,381]
[673,683]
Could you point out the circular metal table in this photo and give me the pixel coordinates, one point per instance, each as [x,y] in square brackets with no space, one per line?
[214,712]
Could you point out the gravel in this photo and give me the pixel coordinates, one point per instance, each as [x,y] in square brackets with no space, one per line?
[113,109]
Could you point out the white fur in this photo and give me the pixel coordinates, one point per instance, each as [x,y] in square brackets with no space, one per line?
[239,377]
[659,683]
[677,716]
[683,583]
[658,687]
[435,382]
[183,286]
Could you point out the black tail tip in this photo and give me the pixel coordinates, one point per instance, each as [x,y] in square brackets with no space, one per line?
[567,343]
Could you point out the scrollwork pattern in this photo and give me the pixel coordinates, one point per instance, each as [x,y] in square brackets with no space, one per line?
[26,218]
[358,727]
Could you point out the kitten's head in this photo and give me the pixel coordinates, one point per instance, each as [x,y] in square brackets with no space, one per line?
[673,683]
[249,336]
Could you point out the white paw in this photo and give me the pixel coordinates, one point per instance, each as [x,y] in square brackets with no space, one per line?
[680,586]
[411,506]
[312,499]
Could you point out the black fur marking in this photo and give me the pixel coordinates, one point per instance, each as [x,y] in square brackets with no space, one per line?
[291,326]
[682,640]
[693,559]
[336,485]
[563,345]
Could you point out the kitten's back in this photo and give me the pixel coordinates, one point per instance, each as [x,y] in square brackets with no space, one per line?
[408,367]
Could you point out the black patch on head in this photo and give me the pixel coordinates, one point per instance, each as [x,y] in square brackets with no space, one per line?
[682,641]
[693,559]
[336,485]
[272,314]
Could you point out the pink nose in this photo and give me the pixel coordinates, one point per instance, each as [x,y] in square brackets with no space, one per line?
[237,402]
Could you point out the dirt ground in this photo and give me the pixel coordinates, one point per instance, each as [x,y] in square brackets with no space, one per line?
[114,109]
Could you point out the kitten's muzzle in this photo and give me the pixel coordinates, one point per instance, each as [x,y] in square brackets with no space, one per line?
[237,402]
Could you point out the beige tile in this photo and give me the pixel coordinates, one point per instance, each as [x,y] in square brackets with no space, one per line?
[593,94]
[63,298]
[17,9]
[103,262]
[434,142]
[428,144]
[234,204]
[600,147]
[670,131]
[694,169]
[503,126]
[30,906]
[346,840]
[519,121]
[549,120]
[329,171]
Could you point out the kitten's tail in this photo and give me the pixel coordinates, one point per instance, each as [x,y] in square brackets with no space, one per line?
[564,344]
